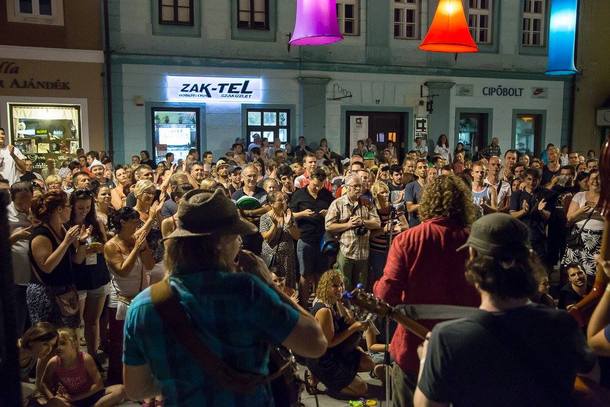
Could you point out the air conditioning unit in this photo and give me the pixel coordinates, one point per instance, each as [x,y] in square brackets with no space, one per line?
[603,117]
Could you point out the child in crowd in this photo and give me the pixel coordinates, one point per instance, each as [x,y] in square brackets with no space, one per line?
[72,379]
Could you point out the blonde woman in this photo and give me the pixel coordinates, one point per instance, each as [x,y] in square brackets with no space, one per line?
[337,369]
[393,221]
[53,183]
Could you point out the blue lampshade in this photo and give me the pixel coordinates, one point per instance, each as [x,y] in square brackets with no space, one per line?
[562,37]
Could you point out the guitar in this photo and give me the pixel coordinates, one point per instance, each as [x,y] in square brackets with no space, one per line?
[586,393]
[584,308]
[361,299]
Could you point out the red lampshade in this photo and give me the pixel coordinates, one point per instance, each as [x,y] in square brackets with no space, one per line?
[449,31]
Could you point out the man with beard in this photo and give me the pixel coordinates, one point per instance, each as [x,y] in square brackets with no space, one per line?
[576,288]
[222,173]
[11,160]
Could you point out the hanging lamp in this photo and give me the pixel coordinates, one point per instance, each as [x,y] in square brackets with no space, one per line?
[562,37]
[449,31]
[316,23]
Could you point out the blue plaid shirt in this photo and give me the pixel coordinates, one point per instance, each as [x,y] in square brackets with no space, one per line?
[237,315]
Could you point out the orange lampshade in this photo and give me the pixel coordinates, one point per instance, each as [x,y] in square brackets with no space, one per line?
[449,30]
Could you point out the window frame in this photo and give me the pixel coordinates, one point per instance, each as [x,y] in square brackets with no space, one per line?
[262,128]
[404,5]
[341,20]
[14,15]
[478,12]
[532,16]
[252,12]
[175,22]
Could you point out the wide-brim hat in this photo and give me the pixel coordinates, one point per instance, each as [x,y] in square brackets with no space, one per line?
[222,163]
[203,214]
[498,235]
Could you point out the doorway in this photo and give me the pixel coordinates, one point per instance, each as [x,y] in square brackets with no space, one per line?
[473,131]
[381,127]
[528,130]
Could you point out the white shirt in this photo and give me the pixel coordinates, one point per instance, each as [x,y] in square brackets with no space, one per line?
[503,191]
[8,167]
[443,152]
[20,250]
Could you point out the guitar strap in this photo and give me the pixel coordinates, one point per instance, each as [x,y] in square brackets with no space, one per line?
[180,326]
[523,353]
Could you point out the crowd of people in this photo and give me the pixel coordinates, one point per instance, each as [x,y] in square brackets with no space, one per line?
[90,237]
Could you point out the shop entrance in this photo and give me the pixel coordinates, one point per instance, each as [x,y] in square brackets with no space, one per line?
[473,132]
[528,131]
[381,127]
[175,130]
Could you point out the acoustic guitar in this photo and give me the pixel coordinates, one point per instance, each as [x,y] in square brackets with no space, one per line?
[584,308]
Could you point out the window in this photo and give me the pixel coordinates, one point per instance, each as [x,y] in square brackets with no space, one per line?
[348,16]
[406,19]
[480,19]
[48,12]
[269,124]
[534,15]
[528,133]
[175,130]
[176,12]
[253,14]
[46,132]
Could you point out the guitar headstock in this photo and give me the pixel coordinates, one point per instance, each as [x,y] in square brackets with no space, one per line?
[361,299]
[604,180]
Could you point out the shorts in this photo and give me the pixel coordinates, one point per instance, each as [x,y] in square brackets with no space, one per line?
[97,292]
[89,401]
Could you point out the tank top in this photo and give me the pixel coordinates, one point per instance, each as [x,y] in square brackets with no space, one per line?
[481,197]
[62,273]
[76,379]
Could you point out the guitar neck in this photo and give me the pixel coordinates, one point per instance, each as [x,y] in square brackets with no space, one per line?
[411,325]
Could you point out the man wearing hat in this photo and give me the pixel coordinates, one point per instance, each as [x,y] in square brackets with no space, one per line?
[222,173]
[234,314]
[512,352]
[98,170]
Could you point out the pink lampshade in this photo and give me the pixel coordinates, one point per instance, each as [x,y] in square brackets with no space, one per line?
[316,23]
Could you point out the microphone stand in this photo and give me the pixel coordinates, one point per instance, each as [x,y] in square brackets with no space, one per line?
[386,356]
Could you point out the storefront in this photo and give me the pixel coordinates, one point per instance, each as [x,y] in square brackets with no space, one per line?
[50,109]
[175,108]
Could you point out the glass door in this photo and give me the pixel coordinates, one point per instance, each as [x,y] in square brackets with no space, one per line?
[528,133]
[175,130]
[472,132]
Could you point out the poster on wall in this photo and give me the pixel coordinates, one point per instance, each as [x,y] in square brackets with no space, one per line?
[358,130]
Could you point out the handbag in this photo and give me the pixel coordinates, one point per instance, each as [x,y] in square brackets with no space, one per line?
[329,244]
[66,299]
[574,239]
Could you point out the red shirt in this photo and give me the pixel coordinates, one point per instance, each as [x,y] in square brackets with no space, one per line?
[423,267]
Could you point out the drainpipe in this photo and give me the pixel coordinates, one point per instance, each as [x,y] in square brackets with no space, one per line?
[108,79]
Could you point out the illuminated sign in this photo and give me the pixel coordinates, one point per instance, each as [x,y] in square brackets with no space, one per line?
[213,89]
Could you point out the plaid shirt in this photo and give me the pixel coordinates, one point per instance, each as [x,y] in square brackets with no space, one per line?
[235,314]
[352,246]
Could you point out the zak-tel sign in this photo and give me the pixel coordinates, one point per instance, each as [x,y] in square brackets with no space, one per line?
[502,91]
[213,89]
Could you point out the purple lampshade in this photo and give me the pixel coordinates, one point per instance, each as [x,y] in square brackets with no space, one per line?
[316,23]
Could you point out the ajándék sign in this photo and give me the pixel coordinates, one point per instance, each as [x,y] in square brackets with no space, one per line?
[213,89]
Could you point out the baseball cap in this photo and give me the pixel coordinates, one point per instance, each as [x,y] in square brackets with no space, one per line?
[498,234]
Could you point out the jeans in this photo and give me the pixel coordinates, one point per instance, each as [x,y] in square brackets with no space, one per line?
[311,260]
[354,271]
[378,260]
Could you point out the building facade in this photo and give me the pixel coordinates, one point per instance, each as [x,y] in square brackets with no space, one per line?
[51,83]
[179,77]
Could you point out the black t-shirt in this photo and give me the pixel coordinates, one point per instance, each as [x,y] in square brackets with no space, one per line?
[468,365]
[312,228]
[547,175]
[567,296]
[533,219]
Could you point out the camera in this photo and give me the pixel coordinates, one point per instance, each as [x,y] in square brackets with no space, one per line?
[361,230]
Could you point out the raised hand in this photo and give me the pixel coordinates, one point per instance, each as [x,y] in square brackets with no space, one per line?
[72,234]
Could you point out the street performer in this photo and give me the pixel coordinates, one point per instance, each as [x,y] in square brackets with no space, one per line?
[423,267]
[234,315]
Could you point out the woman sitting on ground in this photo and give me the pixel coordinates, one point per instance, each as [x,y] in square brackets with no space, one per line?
[337,369]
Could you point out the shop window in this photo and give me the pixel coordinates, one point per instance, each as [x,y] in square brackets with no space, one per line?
[253,14]
[348,16]
[176,12]
[406,19]
[175,130]
[269,124]
[528,133]
[50,12]
[47,134]
[533,23]
[480,15]
[472,132]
